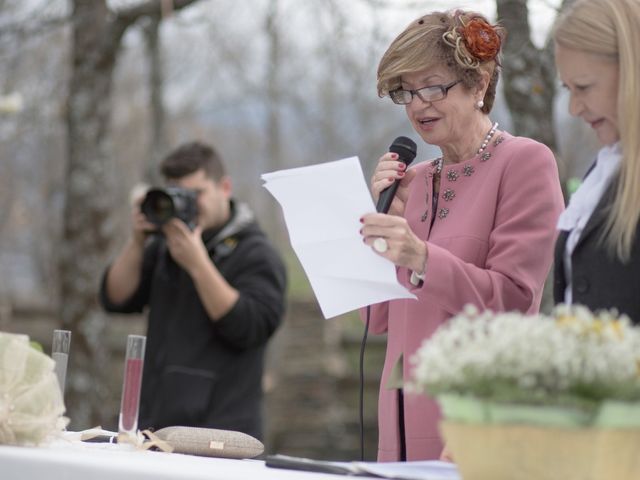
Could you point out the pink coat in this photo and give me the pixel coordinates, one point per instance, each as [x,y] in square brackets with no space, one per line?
[491,245]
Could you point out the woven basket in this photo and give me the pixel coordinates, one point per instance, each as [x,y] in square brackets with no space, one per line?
[523,452]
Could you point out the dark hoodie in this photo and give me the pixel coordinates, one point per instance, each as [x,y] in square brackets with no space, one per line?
[198,372]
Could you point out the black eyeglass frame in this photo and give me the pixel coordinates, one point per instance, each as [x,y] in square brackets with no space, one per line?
[444,89]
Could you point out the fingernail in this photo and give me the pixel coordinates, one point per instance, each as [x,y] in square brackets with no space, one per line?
[401,174]
[361,220]
[402,166]
[391,179]
[394,156]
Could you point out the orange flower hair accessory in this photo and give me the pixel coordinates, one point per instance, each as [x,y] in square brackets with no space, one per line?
[481,39]
[474,40]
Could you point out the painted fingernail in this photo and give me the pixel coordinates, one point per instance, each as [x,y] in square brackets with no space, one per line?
[394,156]
[361,220]
[402,166]
[401,174]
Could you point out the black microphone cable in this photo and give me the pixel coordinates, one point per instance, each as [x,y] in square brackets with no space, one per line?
[361,403]
[406,150]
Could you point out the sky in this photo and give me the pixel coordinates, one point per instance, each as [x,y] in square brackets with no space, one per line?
[541,13]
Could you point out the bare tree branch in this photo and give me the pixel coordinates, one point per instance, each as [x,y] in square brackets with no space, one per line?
[130,15]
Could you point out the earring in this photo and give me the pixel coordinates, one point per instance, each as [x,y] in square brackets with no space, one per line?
[480,104]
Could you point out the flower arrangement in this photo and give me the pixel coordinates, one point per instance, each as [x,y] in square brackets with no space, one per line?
[572,358]
[558,396]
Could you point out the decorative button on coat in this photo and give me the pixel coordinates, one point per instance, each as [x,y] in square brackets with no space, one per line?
[448,194]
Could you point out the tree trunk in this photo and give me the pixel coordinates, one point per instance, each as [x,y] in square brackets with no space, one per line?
[87,231]
[158,147]
[528,76]
[274,147]
[89,190]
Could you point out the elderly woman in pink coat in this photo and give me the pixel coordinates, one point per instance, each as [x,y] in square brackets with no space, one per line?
[475,226]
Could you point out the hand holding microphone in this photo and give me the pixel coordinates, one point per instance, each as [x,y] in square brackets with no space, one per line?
[391,172]
[391,233]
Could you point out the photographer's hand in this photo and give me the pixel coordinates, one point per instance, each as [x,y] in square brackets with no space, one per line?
[140,226]
[188,250]
[186,246]
[123,277]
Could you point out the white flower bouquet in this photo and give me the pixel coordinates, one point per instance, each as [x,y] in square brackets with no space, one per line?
[523,388]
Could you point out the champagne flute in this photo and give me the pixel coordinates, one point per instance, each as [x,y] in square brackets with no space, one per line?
[131,385]
[60,354]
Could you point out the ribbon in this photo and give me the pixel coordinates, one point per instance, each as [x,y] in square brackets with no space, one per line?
[145,440]
[141,440]
[92,433]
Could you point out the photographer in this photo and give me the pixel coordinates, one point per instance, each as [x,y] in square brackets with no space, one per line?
[215,289]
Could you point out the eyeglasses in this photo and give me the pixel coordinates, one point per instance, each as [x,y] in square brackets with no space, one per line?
[433,93]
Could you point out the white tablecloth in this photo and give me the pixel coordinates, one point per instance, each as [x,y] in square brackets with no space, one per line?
[74,460]
[89,461]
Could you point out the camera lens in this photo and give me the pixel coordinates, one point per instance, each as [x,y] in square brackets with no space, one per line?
[158,207]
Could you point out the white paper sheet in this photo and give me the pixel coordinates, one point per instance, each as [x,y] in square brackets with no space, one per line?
[322,206]
[414,470]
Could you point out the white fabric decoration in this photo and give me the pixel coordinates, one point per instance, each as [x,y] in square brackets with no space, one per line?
[31,404]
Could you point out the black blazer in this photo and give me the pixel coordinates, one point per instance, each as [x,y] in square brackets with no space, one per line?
[599,279]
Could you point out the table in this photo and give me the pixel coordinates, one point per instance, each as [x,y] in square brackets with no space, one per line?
[88,461]
[75,460]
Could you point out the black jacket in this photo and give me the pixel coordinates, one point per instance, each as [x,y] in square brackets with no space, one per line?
[599,279]
[198,372]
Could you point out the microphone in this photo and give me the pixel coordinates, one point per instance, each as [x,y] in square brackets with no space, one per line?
[406,150]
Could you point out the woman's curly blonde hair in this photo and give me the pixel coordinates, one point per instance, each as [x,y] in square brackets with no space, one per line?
[464,42]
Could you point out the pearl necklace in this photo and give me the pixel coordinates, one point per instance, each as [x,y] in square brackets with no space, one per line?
[483,146]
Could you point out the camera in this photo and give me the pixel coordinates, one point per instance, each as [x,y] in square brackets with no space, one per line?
[162,204]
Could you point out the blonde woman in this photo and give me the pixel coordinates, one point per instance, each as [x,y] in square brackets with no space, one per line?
[598,250]
[475,226]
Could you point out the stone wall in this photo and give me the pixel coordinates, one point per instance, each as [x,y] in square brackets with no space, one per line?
[313,387]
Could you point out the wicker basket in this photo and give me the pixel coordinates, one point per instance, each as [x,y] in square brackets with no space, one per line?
[522,452]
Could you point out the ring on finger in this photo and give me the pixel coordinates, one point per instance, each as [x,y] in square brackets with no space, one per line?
[380,245]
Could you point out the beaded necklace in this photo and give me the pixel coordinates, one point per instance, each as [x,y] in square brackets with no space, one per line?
[440,164]
[483,147]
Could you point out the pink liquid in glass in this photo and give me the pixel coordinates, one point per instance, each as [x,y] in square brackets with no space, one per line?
[131,395]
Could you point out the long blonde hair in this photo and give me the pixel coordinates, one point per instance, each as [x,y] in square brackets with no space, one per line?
[612,28]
